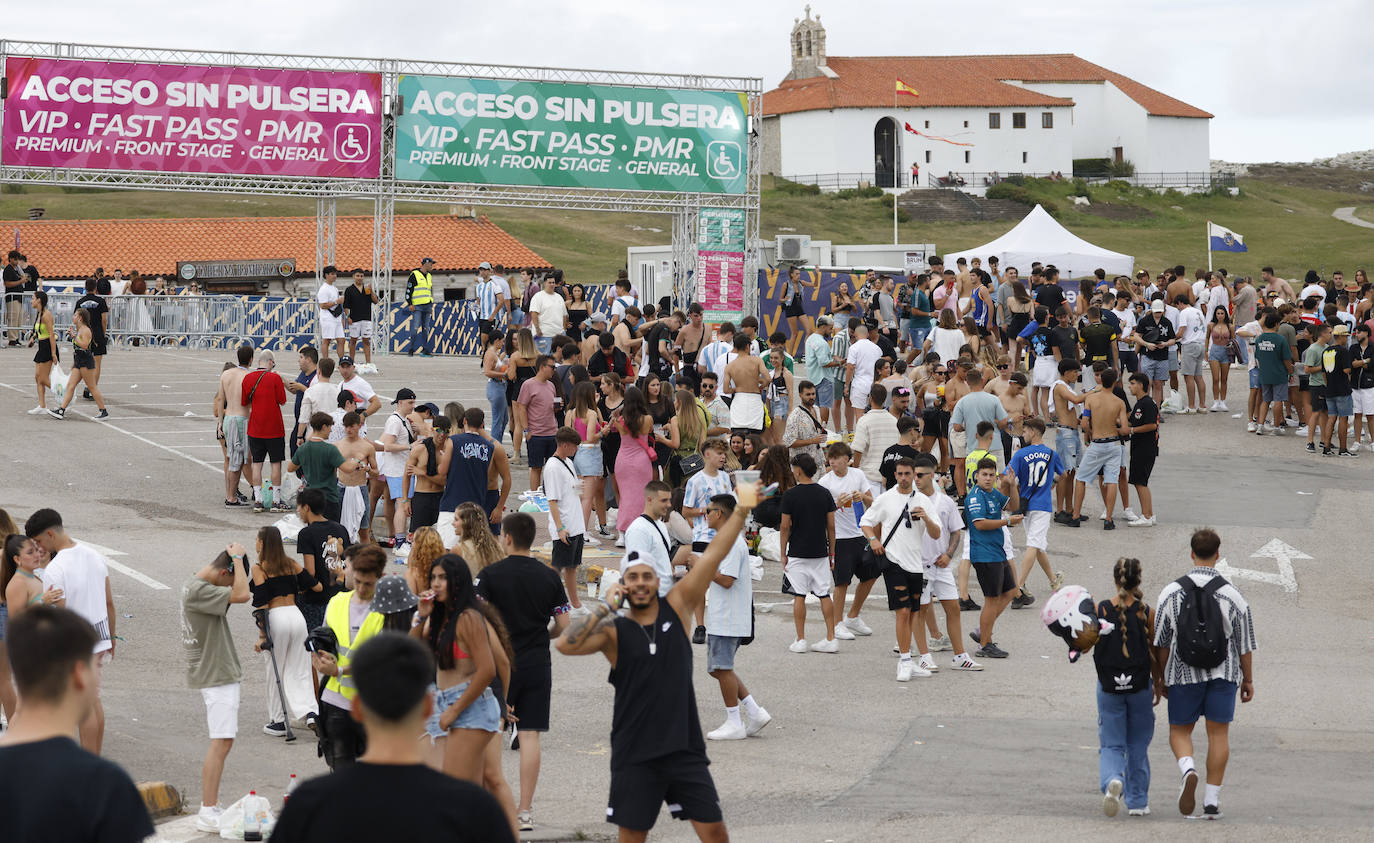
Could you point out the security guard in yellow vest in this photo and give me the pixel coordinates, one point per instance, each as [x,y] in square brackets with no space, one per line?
[419,301]
[349,615]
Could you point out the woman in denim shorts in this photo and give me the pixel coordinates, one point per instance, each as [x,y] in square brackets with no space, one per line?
[459,631]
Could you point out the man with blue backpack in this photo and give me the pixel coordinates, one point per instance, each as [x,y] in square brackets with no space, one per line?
[1204,644]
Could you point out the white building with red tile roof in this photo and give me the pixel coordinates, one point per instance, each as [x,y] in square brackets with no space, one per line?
[1006,114]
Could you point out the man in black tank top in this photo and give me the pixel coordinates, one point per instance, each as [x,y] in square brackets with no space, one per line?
[658,754]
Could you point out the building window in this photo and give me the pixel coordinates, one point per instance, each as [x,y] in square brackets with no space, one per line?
[927,156]
[1018,119]
[1025,156]
[965,124]
[994,120]
[927,124]
[1047,120]
[966,154]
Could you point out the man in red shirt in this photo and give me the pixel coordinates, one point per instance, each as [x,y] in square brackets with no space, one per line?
[263,393]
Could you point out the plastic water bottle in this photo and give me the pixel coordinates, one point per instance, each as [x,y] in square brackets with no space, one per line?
[267,493]
[290,786]
[252,817]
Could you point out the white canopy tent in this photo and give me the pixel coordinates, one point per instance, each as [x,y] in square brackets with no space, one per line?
[1040,237]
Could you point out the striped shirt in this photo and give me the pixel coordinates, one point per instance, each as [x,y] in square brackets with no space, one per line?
[486,299]
[1240,632]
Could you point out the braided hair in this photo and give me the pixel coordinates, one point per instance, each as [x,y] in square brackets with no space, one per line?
[1127,576]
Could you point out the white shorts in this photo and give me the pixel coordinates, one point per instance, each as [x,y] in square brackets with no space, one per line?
[938,589]
[1037,526]
[331,328]
[858,394]
[222,710]
[1006,544]
[746,411]
[809,576]
[1363,402]
[958,443]
[360,330]
[1046,371]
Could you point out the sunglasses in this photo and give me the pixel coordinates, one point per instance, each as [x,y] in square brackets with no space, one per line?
[1003,366]
[921,474]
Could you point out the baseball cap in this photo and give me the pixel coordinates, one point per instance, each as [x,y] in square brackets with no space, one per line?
[1157,306]
[393,595]
[345,396]
[484,265]
[345,360]
[426,260]
[428,407]
[631,559]
[597,318]
[405,393]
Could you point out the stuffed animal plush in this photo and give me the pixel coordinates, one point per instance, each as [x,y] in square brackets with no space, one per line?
[1071,614]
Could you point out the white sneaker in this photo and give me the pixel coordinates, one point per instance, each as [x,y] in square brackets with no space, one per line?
[1111,801]
[826,646]
[590,541]
[904,670]
[857,626]
[941,644]
[964,662]
[619,539]
[728,732]
[1221,407]
[1129,514]
[798,646]
[842,632]
[1142,522]
[927,663]
[1139,812]
[1267,429]
[1355,448]
[38,411]
[1301,431]
[1250,427]
[208,819]
[402,550]
[756,724]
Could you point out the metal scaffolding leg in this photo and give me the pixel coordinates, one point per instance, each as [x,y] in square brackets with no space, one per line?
[326,220]
[685,287]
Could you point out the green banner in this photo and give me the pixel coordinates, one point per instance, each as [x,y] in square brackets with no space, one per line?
[720,230]
[489,131]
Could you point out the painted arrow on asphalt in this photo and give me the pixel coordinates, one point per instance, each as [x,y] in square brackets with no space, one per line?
[1282,553]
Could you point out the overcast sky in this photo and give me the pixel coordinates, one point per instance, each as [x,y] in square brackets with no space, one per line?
[1287,81]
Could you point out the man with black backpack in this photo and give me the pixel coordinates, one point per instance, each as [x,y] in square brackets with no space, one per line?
[1204,641]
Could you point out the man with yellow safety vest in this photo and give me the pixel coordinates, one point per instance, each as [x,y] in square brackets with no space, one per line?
[350,617]
[420,300]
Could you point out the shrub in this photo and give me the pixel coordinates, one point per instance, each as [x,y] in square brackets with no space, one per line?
[1121,168]
[870,192]
[791,188]
[1015,193]
[1080,187]
[1119,184]
[1090,167]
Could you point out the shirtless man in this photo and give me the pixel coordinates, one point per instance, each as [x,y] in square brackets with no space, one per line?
[1180,286]
[233,424]
[1064,410]
[353,509]
[423,506]
[746,377]
[626,333]
[965,279]
[1105,416]
[1016,401]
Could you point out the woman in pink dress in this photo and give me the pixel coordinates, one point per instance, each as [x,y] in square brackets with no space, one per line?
[634,463]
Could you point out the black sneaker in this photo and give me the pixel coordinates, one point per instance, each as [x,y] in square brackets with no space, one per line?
[1062,518]
[234,503]
[86,393]
[103,414]
[242,498]
[1328,451]
[977,637]
[1311,447]
[967,605]
[699,637]
[58,413]
[1109,524]
[311,722]
[1022,600]
[1075,522]
[276,730]
[1344,453]
[1211,812]
[991,651]
[258,507]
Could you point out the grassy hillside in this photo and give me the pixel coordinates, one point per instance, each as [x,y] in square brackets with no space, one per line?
[1285,217]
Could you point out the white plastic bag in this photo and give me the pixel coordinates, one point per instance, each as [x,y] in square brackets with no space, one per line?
[289,488]
[57,379]
[609,577]
[1173,401]
[290,526]
[231,821]
[756,568]
[770,544]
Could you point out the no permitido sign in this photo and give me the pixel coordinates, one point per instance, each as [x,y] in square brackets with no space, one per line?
[490,131]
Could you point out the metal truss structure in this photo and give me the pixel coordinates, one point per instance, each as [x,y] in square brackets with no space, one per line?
[385,190]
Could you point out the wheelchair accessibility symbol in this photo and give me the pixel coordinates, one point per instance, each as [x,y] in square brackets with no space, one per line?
[352,141]
[723,160]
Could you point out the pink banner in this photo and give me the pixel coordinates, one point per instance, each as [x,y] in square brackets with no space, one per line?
[191,119]
[720,281]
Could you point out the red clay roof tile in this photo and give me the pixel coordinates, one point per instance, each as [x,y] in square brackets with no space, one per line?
[73,248]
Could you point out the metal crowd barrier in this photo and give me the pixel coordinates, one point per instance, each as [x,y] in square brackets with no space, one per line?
[155,321]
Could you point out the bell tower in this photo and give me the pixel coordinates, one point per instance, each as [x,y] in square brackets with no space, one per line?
[807,45]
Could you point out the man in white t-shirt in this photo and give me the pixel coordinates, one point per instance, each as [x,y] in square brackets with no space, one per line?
[82,577]
[549,314]
[369,402]
[330,303]
[1125,346]
[938,559]
[563,489]
[863,354]
[1192,333]
[320,397]
[503,291]
[624,297]
[647,536]
[393,449]
[1247,334]
[712,352]
[852,491]
[894,526]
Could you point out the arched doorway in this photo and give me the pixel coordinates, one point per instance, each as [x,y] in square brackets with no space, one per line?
[885,152]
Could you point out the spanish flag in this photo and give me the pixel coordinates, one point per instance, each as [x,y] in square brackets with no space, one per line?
[904,88]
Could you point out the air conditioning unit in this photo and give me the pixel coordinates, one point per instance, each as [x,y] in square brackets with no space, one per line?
[793,247]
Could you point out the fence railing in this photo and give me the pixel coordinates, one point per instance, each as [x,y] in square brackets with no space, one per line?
[849,181]
[1185,179]
[965,180]
[186,321]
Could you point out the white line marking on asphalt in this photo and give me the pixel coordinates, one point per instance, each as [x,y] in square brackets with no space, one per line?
[1282,553]
[218,469]
[107,552]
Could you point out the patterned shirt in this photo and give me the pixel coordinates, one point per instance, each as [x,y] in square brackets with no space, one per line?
[802,424]
[701,487]
[486,299]
[1240,632]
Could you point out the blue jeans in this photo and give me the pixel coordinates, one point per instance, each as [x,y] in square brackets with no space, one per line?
[496,396]
[917,335]
[1125,726]
[543,344]
[421,329]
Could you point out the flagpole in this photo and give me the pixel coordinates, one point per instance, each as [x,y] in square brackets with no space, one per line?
[1209,245]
